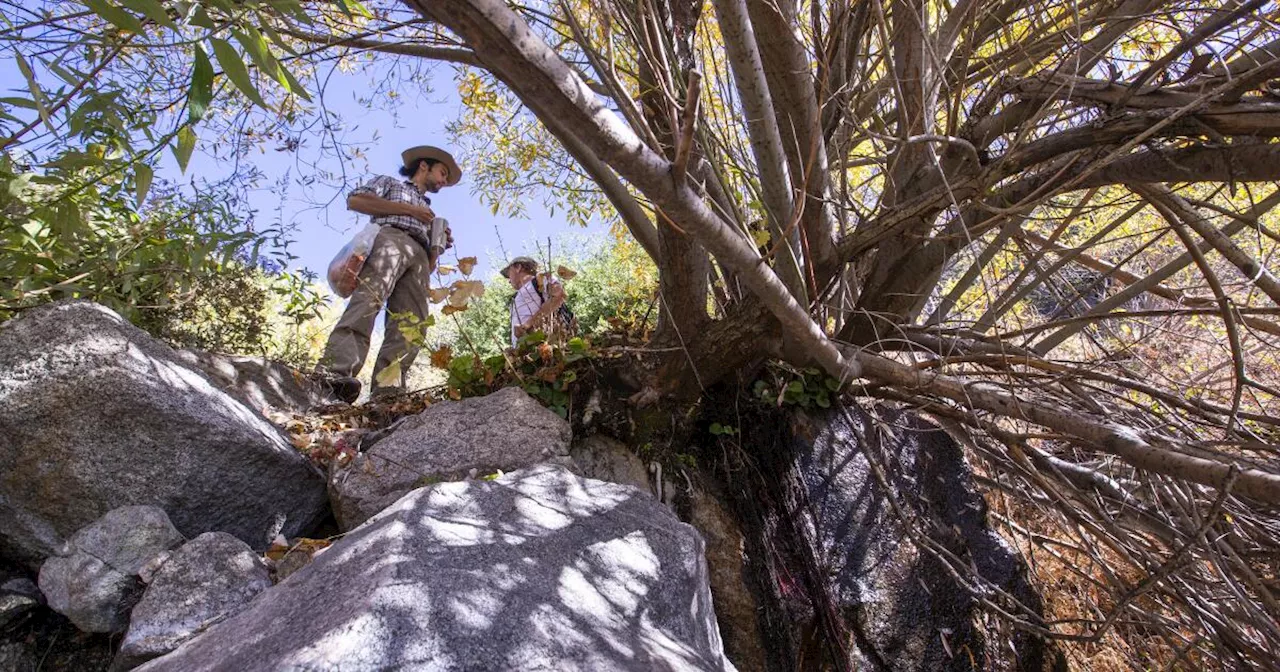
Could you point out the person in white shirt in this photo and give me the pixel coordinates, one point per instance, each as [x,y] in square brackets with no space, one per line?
[537,298]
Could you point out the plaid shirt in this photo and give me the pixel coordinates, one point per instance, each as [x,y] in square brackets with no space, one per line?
[398,191]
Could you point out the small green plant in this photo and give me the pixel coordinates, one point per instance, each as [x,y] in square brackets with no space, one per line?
[805,388]
[718,429]
[543,370]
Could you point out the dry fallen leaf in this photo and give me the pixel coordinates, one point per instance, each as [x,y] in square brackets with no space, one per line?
[451,309]
[564,273]
[466,265]
[444,269]
[441,357]
[438,294]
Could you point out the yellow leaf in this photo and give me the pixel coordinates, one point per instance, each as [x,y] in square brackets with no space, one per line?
[390,376]
[438,294]
[451,309]
[564,273]
[444,269]
[466,265]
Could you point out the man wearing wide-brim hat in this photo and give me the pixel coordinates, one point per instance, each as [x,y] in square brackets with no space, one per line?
[395,275]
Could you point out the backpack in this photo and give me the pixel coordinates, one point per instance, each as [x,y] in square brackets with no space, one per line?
[566,322]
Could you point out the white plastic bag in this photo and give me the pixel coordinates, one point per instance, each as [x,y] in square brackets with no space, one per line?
[344,270]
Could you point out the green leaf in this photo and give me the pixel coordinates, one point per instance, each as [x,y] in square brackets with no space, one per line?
[68,76]
[201,92]
[277,40]
[256,46]
[118,17]
[142,181]
[717,429]
[152,9]
[186,144]
[18,185]
[354,7]
[36,95]
[295,86]
[233,67]
[200,18]
[390,375]
[20,102]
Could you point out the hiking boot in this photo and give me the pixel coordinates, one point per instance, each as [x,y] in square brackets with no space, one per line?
[343,388]
[386,392]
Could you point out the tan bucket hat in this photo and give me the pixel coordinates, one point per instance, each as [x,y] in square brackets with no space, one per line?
[428,152]
[513,262]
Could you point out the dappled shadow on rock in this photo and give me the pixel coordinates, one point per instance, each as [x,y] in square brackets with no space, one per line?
[875,550]
[537,569]
[96,414]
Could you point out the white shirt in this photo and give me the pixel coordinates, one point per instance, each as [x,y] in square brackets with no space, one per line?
[527,302]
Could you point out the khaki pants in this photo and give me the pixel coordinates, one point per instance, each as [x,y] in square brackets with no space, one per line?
[396,275]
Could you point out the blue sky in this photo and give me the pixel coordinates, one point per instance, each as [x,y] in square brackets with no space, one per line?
[319,232]
[421,119]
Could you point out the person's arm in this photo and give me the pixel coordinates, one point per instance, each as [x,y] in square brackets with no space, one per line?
[376,206]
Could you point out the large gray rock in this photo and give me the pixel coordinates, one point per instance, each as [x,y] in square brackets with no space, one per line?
[94,579]
[95,414]
[538,569]
[737,610]
[208,579]
[258,383]
[18,595]
[607,459]
[18,656]
[506,430]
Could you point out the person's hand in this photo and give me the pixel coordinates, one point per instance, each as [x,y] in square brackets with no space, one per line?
[424,215]
[521,330]
[448,232]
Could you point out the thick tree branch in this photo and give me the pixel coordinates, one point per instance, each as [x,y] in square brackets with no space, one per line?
[1176,210]
[507,46]
[432,52]
[1145,450]
[766,139]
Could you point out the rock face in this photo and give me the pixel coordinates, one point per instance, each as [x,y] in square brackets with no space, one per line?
[736,606]
[95,414]
[607,459]
[94,579]
[538,569]
[506,430]
[255,381]
[18,595]
[900,603]
[206,580]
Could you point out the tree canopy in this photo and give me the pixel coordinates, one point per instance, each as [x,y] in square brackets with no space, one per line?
[1051,223]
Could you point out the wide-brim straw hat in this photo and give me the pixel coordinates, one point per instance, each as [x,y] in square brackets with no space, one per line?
[435,153]
[513,262]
